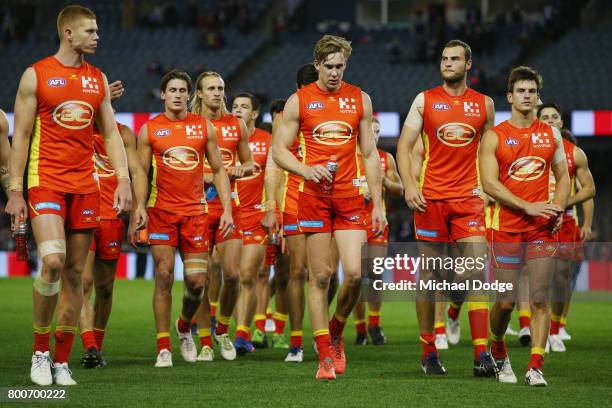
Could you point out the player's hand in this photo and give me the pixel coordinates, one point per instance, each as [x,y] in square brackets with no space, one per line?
[236,172]
[318,173]
[414,199]
[558,223]
[542,209]
[16,208]
[226,224]
[366,192]
[586,234]
[123,197]
[269,222]
[116,90]
[379,222]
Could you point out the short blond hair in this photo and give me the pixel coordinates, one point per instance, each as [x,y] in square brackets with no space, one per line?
[70,14]
[331,44]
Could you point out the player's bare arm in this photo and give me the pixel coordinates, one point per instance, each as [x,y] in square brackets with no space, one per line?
[585,178]
[588,208]
[25,112]
[493,187]
[391,180]
[5,148]
[272,178]
[138,218]
[283,139]
[411,130]
[244,154]
[559,169]
[221,179]
[105,120]
[371,163]
[490,107]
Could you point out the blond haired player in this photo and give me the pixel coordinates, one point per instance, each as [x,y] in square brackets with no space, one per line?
[332,118]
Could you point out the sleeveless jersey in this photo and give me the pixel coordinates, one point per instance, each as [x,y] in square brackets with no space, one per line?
[251,188]
[329,126]
[452,128]
[524,156]
[292,183]
[228,137]
[107,179]
[179,148]
[384,166]
[61,145]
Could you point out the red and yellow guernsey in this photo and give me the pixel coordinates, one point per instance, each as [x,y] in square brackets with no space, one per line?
[179,149]
[452,127]
[61,145]
[524,156]
[228,137]
[251,188]
[290,195]
[107,179]
[384,166]
[329,126]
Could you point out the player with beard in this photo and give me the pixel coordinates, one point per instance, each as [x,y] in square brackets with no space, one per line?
[446,198]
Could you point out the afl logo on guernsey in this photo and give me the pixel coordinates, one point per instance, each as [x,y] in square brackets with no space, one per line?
[456,134]
[527,168]
[333,133]
[315,105]
[56,82]
[181,158]
[163,132]
[73,115]
[441,106]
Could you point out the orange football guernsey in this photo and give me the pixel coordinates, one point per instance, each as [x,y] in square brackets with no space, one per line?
[524,156]
[251,188]
[228,137]
[292,183]
[369,205]
[62,139]
[452,127]
[569,147]
[329,125]
[106,177]
[178,154]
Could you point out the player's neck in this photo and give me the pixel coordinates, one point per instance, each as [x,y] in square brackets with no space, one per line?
[521,120]
[251,127]
[322,86]
[211,114]
[455,88]
[173,116]
[69,57]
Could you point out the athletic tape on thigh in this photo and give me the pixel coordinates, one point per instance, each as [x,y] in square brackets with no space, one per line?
[46,288]
[199,266]
[52,246]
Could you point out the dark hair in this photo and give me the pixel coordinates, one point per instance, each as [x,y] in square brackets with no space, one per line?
[267,126]
[566,134]
[459,43]
[524,73]
[255,104]
[307,74]
[277,106]
[549,105]
[175,74]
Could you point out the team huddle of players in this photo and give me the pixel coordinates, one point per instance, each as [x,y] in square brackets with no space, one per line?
[234,199]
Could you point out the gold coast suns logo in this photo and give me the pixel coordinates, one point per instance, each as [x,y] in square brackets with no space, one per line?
[332,133]
[73,115]
[102,165]
[227,157]
[527,168]
[456,134]
[181,158]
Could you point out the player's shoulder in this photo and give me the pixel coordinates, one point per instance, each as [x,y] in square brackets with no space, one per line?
[262,134]
[350,88]
[45,62]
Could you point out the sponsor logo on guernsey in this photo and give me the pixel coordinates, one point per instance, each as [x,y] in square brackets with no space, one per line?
[441,106]
[347,105]
[56,82]
[158,236]
[290,227]
[194,131]
[508,259]
[73,114]
[90,85]
[88,211]
[113,244]
[311,223]
[181,158]
[333,133]
[47,206]
[540,140]
[427,233]
[512,142]
[527,168]
[229,132]
[456,134]
[198,238]
[315,105]
[354,218]
[471,109]
[163,132]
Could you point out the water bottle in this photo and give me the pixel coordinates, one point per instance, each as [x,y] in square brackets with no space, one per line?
[21,241]
[332,166]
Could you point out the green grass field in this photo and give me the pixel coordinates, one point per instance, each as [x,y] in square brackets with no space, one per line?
[376,376]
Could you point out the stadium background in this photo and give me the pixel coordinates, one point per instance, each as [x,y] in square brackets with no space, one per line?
[257,45]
